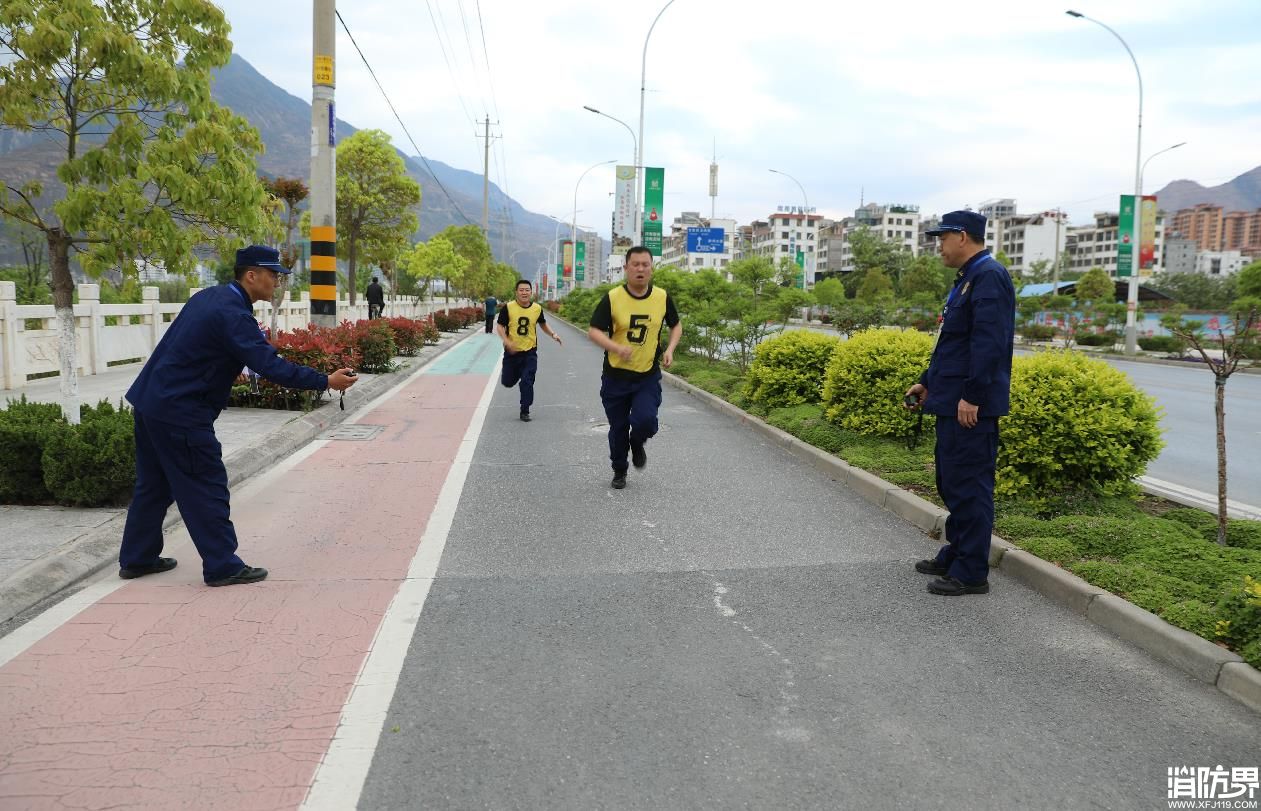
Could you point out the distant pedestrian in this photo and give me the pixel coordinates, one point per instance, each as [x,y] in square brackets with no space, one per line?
[176,399]
[627,325]
[518,321]
[376,299]
[968,387]
[492,305]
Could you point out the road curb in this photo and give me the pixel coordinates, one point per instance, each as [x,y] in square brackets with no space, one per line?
[85,556]
[1191,654]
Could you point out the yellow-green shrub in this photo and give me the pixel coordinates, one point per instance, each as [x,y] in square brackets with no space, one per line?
[788,369]
[1076,424]
[867,377]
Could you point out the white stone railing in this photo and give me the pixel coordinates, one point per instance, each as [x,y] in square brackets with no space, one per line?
[110,335]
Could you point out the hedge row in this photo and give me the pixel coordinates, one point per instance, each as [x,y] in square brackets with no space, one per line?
[45,459]
[455,319]
[367,346]
[1075,423]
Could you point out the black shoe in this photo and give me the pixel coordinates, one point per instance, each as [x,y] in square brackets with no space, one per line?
[949,587]
[525,416]
[250,574]
[159,565]
[932,567]
[619,480]
[639,456]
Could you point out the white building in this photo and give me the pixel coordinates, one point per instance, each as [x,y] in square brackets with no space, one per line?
[899,224]
[1220,263]
[792,230]
[1028,238]
[1095,246]
[1179,255]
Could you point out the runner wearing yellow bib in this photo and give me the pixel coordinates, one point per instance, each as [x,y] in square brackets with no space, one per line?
[518,321]
[627,325]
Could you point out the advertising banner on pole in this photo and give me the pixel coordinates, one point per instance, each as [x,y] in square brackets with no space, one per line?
[624,211]
[1125,237]
[567,258]
[705,240]
[799,280]
[1147,235]
[580,265]
[654,195]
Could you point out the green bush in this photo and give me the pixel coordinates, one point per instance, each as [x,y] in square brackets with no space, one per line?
[1075,424]
[1161,343]
[1239,623]
[1191,615]
[788,369]
[1056,550]
[1198,561]
[1240,533]
[1037,332]
[92,464]
[1154,590]
[1117,538]
[1096,339]
[867,377]
[374,341]
[24,429]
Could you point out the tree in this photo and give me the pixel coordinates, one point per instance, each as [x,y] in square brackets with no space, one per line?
[1233,342]
[32,277]
[289,192]
[375,201]
[925,275]
[1038,272]
[149,165]
[1248,282]
[1197,291]
[436,259]
[829,292]
[1096,286]
[876,287]
[470,243]
[870,251]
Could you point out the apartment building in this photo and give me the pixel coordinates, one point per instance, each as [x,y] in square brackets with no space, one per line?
[1095,246]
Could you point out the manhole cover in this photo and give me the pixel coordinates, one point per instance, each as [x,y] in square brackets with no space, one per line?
[354,433]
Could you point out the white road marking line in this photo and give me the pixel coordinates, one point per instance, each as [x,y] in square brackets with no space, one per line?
[342,771]
[1197,498]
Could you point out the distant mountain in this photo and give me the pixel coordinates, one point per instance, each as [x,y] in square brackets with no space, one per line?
[284,122]
[1241,194]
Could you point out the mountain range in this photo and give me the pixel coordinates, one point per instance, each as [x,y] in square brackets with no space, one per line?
[1241,194]
[284,123]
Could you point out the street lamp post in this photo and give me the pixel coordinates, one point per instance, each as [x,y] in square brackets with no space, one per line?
[805,212]
[639,142]
[635,153]
[1131,304]
[573,224]
[1143,170]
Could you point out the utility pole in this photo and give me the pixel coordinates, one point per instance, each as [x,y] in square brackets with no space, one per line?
[1055,268]
[323,168]
[486,186]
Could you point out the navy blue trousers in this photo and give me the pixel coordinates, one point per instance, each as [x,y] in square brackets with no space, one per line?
[184,465]
[631,407]
[490,322]
[965,459]
[519,370]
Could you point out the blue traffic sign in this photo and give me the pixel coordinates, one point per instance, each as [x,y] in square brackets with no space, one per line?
[706,240]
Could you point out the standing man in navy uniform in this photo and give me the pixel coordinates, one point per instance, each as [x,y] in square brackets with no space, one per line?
[176,399]
[968,387]
[491,305]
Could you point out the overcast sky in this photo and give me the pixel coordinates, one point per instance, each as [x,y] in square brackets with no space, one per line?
[940,104]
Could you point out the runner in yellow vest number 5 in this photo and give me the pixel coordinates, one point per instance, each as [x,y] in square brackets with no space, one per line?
[627,325]
[516,326]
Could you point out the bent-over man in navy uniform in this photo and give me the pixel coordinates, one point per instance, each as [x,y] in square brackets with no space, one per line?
[176,399]
[968,387]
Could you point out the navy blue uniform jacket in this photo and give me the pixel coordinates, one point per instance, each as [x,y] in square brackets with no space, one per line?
[189,377]
[972,359]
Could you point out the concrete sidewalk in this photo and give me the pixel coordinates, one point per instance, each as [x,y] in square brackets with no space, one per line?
[44,550]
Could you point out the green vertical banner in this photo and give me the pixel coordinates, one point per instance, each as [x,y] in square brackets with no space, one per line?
[1126,232]
[654,195]
[800,279]
[580,262]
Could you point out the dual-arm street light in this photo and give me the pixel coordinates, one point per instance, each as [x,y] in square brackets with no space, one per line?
[639,156]
[1131,306]
[636,225]
[806,213]
[573,224]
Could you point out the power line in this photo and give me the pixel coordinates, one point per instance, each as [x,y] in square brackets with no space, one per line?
[486,55]
[386,96]
[455,79]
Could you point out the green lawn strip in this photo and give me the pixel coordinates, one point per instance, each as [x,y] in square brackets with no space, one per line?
[1158,555]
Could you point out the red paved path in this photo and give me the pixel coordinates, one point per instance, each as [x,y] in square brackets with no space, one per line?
[167,694]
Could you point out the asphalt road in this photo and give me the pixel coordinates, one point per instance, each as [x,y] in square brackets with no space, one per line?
[734,630]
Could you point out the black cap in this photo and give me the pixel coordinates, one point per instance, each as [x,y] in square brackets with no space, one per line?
[968,222]
[260,256]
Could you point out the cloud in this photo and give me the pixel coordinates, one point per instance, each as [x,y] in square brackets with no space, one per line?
[914,102]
